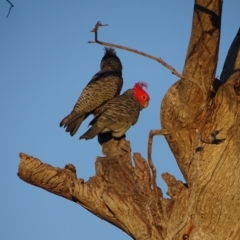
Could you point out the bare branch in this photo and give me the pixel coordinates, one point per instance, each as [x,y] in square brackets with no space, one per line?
[95,29]
[158,132]
[153,133]
[158,59]
[10,8]
[106,194]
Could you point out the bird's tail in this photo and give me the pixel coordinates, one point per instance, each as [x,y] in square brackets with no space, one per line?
[91,132]
[72,122]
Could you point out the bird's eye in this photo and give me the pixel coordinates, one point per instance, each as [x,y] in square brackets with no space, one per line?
[144,97]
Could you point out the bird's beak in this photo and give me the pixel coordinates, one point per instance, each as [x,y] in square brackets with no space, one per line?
[146,104]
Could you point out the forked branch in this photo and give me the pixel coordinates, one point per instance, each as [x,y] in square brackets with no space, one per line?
[106,194]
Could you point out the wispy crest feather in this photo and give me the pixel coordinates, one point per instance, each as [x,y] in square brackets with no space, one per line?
[109,51]
[140,85]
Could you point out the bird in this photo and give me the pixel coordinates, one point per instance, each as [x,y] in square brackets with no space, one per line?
[120,113]
[104,86]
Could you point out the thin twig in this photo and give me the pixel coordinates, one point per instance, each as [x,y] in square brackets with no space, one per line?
[158,59]
[158,132]
[95,29]
[10,8]
[153,133]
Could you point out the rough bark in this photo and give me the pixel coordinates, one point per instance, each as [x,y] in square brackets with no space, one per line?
[206,144]
[203,126]
[119,193]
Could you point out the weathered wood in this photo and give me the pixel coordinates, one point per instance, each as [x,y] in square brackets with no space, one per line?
[201,126]
[119,193]
[185,104]
[206,144]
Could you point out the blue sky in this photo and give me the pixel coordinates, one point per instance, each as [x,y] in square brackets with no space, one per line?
[46,62]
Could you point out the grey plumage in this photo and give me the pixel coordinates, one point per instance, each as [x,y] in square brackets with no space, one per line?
[105,85]
[116,116]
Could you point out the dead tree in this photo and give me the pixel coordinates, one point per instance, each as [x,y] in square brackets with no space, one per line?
[200,120]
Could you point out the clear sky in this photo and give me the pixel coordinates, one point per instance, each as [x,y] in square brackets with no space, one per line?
[46,62]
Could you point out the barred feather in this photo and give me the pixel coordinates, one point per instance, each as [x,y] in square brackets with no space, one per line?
[117,115]
[104,86]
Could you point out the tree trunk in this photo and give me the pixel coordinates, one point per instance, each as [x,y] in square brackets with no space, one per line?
[202,122]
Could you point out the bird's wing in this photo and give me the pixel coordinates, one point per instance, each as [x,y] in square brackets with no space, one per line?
[116,113]
[103,87]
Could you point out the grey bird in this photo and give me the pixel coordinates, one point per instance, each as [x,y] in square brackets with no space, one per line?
[104,86]
[119,114]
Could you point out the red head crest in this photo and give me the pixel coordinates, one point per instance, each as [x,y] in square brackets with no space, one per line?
[140,94]
[140,85]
